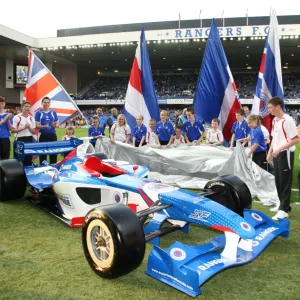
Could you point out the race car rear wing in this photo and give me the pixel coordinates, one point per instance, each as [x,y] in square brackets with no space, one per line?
[22,149]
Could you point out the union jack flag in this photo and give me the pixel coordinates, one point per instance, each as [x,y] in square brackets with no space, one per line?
[41,83]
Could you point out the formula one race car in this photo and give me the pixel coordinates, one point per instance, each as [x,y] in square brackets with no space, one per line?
[74,186]
[114,237]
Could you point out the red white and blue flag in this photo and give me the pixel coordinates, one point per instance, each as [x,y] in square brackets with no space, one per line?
[269,83]
[216,95]
[141,97]
[41,83]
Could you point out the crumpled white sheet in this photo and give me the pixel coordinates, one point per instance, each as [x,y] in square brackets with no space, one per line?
[191,167]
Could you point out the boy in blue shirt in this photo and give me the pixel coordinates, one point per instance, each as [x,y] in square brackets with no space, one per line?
[5,126]
[240,128]
[164,131]
[193,130]
[95,130]
[139,132]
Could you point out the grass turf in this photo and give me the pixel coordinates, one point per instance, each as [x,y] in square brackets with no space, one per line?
[41,258]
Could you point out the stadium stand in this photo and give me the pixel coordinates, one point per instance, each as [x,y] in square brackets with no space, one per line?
[183,86]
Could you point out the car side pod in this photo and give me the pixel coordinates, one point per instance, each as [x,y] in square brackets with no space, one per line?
[186,267]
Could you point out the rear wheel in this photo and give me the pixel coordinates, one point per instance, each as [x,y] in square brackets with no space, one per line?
[113,241]
[12,180]
[232,192]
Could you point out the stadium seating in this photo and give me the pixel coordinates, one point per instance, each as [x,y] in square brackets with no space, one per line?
[182,86]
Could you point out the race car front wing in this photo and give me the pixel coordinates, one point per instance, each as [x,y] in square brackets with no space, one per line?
[186,267]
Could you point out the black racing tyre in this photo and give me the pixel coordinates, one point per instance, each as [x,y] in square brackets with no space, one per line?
[232,193]
[100,155]
[12,180]
[113,240]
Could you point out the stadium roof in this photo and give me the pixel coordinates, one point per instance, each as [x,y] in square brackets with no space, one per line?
[242,21]
[112,48]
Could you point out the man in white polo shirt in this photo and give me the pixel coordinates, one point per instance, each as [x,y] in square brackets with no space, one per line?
[24,127]
[282,149]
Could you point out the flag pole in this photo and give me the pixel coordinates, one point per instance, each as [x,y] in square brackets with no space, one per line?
[223,18]
[179,19]
[200,18]
[247,17]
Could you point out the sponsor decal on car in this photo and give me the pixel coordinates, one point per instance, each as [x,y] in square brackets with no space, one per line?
[65,199]
[200,215]
[215,183]
[117,197]
[177,254]
[154,186]
[66,167]
[209,264]
[245,226]
[172,278]
[199,199]
[28,151]
[256,217]
[266,232]
[19,148]
[57,150]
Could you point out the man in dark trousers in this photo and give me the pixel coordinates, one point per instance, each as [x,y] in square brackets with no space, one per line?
[46,121]
[285,137]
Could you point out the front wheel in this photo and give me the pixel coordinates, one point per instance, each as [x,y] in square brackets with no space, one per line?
[231,192]
[113,241]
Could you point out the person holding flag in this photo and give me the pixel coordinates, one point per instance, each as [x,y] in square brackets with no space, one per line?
[46,122]
[40,88]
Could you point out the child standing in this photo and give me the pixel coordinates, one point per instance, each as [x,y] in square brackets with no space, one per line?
[151,135]
[193,130]
[214,135]
[95,130]
[139,133]
[164,130]
[178,138]
[240,128]
[69,134]
[257,140]
[120,131]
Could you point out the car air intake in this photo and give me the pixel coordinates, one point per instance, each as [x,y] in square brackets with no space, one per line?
[89,195]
